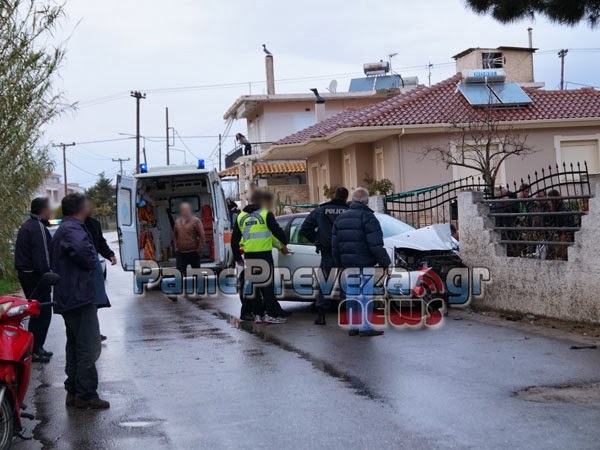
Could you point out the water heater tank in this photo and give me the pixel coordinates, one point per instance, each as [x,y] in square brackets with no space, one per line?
[378,68]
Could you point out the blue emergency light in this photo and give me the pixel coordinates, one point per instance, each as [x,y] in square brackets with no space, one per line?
[143,168]
[200,164]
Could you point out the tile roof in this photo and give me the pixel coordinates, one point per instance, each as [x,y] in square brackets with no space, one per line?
[443,104]
[268,168]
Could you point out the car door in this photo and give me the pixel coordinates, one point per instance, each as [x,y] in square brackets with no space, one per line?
[127,221]
[302,252]
[221,229]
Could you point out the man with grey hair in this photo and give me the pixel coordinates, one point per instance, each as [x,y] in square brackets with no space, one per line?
[357,243]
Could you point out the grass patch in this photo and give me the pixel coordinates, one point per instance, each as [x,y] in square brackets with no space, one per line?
[8,286]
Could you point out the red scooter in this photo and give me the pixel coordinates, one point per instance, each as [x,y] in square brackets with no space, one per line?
[16,348]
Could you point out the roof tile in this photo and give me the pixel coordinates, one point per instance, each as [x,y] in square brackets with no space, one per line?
[442,104]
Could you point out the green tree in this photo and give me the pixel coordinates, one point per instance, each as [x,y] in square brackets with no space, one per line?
[566,12]
[102,195]
[28,101]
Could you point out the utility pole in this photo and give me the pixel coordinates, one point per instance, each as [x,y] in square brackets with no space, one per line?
[138,96]
[561,55]
[429,66]
[64,150]
[121,161]
[220,150]
[167,135]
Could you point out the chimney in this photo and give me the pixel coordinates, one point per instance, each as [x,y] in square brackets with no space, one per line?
[319,106]
[530,32]
[270,75]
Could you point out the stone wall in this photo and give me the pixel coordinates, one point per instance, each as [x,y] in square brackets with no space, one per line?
[292,194]
[567,290]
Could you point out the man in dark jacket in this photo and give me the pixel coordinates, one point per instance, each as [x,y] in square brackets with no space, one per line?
[94,227]
[74,258]
[317,228]
[357,243]
[32,260]
[257,226]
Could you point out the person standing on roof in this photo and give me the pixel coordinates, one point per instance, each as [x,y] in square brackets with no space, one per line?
[257,226]
[318,228]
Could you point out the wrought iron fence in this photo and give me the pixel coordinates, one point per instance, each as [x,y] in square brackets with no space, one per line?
[540,218]
[434,204]
[536,218]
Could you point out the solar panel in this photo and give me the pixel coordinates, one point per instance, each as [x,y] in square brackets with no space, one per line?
[362,84]
[494,94]
[375,83]
[478,94]
[511,94]
[388,82]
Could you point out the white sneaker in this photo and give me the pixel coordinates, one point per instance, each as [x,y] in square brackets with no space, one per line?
[257,318]
[274,320]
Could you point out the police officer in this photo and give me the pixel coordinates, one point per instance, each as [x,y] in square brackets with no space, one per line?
[317,228]
[257,226]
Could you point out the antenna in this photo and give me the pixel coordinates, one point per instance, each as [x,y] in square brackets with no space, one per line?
[390,56]
[332,88]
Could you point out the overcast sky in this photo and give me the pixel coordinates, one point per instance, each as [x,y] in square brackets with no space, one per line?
[158,46]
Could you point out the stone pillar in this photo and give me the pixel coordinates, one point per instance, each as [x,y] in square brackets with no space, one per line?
[377,203]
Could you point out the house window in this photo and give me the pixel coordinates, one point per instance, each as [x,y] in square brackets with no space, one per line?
[580,151]
[492,60]
[379,171]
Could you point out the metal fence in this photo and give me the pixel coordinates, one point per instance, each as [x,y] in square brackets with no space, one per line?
[434,204]
[536,217]
[540,218]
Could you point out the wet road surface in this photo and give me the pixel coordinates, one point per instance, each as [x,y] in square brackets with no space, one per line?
[182,376]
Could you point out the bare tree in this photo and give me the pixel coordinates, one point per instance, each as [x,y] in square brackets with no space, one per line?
[483,145]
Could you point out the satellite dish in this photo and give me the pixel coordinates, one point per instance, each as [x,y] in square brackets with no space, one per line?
[332,87]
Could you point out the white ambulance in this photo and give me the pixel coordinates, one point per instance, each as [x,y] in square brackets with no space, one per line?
[148,204]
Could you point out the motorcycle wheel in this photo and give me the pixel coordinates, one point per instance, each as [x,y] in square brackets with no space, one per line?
[6,423]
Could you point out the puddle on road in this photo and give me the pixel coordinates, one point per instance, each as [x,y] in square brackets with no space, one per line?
[140,424]
[353,382]
[583,394]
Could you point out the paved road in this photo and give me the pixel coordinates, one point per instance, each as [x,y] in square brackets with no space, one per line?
[182,376]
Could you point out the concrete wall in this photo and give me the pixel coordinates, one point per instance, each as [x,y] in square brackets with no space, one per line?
[565,290]
[518,64]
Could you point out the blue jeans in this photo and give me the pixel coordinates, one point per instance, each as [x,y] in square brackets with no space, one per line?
[358,298]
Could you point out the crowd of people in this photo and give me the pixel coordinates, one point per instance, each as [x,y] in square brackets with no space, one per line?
[346,236]
[537,223]
[73,253]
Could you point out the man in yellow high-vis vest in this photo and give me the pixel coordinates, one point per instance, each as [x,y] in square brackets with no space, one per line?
[257,226]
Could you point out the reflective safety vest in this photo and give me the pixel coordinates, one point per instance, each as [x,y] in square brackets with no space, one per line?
[255,232]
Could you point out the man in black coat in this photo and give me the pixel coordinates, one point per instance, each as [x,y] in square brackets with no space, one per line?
[32,260]
[357,243]
[318,228]
[74,258]
[95,228]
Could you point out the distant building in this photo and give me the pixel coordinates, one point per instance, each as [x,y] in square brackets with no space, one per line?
[54,189]
[271,117]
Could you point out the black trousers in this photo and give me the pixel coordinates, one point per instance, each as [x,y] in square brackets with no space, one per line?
[326,265]
[83,350]
[183,260]
[261,298]
[38,326]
